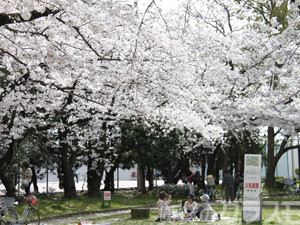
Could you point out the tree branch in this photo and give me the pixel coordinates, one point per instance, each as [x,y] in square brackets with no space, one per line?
[11,18]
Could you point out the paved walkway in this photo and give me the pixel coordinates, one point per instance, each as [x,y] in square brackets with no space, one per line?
[82,186]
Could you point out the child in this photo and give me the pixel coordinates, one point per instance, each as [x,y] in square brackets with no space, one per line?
[162,205]
[205,211]
[189,206]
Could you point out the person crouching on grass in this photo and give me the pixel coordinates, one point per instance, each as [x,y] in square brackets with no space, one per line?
[162,205]
[189,206]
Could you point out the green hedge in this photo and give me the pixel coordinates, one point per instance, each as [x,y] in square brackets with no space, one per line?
[172,189]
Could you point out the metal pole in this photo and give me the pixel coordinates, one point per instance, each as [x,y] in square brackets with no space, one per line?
[298,158]
[156,177]
[47,177]
[276,172]
[287,164]
[293,166]
[118,179]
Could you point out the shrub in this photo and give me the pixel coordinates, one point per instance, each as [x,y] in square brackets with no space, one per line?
[172,189]
[297,171]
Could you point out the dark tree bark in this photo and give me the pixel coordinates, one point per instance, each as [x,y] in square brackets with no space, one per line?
[141,178]
[95,173]
[150,177]
[8,183]
[211,164]
[17,18]
[67,159]
[272,158]
[174,173]
[270,176]
[68,176]
[94,177]
[34,179]
[110,179]
[203,165]
[225,163]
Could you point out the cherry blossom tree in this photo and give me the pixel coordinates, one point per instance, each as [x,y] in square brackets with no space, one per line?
[72,66]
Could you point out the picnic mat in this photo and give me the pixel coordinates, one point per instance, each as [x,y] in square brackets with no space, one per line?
[214,219]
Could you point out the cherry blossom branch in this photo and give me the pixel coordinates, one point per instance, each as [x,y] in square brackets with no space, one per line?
[2,51]
[12,18]
[25,32]
[140,27]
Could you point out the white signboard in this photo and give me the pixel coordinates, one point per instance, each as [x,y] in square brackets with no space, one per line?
[252,188]
[107,195]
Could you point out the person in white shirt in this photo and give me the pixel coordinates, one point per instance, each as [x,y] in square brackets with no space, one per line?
[162,205]
[27,175]
[189,206]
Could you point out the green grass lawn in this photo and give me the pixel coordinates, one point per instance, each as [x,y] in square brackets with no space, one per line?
[54,205]
[271,215]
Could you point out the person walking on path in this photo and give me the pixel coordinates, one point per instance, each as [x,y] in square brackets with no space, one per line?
[228,184]
[75,174]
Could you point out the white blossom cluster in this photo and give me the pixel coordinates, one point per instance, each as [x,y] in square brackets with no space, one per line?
[210,69]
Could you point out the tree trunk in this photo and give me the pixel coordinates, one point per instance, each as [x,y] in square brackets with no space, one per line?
[150,177]
[8,183]
[203,165]
[211,164]
[270,176]
[273,159]
[225,163]
[34,179]
[141,179]
[67,159]
[68,177]
[94,177]
[173,174]
[110,180]
[217,175]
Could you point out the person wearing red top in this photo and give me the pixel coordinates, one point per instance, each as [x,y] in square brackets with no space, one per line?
[193,179]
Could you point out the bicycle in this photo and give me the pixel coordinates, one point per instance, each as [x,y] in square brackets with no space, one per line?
[30,214]
[240,190]
[211,190]
[212,193]
[290,189]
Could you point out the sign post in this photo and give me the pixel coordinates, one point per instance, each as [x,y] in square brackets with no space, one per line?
[252,199]
[106,197]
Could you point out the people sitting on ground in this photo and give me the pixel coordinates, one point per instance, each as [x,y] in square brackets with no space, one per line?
[193,179]
[238,181]
[189,206]
[205,211]
[163,206]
